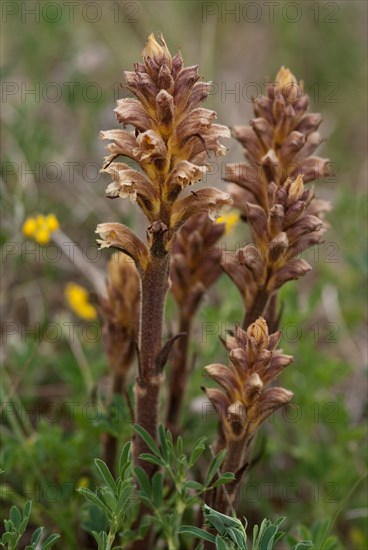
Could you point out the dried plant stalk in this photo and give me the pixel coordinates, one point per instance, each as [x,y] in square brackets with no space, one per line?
[170,143]
[284,217]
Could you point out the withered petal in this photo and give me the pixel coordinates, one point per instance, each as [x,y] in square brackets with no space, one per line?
[117,235]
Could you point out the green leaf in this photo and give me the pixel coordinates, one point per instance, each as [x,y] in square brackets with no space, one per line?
[157,488]
[36,537]
[163,442]
[124,459]
[92,497]
[303,545]
[15,517]
[214,466]
[196,532]
[220,544]
[319,531]
[191,484]
[27,510]
[197,451]
[50,541]
[147,439]
[143,480]
[108,496]
[226,477]
[217,522]
[106,474]
[150,458]
[179,445]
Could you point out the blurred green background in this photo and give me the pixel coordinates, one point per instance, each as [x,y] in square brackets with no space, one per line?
[62,64]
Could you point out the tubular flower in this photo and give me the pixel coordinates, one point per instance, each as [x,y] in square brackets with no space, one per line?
[78,301]
[245,401]
[284,217]
[293,223]
[170,143]
[195,263]
[40,228]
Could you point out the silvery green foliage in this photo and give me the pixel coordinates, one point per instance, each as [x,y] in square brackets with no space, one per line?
[16,526]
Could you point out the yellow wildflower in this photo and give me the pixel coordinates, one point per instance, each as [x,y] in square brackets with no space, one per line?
[83,482]
[77,298]
[230,219]
[40,228]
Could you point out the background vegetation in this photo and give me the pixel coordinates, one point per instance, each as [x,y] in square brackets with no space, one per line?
[61,70]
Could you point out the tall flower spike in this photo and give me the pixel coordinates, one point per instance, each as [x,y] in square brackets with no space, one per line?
[284,217]
[244,401]
[171,141]
[169,145]
[195,266]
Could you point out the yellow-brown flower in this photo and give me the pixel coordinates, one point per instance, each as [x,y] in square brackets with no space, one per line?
[170,142]
[244,401]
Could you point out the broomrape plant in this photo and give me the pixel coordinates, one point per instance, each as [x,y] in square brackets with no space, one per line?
[168,146]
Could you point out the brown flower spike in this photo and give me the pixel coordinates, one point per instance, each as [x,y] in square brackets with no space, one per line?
[284,217]
[170,142]
[245,401]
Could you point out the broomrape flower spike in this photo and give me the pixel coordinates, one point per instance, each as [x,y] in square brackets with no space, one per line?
[40,228]
[170,144]
[244,401]
[285,217]
[78,300]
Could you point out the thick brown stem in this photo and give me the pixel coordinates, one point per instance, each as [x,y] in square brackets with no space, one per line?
[233,463]
[257,308]
[179,374]
[147,388]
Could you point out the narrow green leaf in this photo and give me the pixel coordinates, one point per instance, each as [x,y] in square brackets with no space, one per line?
[226,477]
[143,480]
[50,541]
[220,544]
[27,510]
[106,474]
[163,442]
[36,537]
[179,446]
[191,484]
[150,458]
[157,488]
[215,465]
[197,451]
[147,439]
[92,497]
[196,532]
[124,459]
[15,517]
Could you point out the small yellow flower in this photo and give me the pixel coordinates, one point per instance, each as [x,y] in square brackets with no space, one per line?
[83,482]
[42,236]
[29,227]
[230,219]
[40,228]
[77,298]
[52,222]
